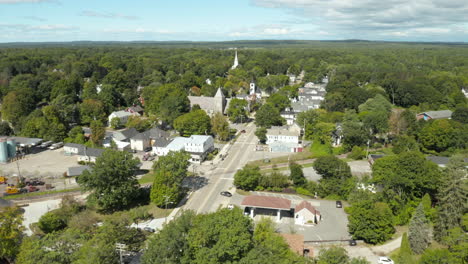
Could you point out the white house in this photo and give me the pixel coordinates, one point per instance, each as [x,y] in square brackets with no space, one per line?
[72,148]
[122,115]
[285,134]
[305,213]
[289,115]
[89,154]
[148,138]
[197,146]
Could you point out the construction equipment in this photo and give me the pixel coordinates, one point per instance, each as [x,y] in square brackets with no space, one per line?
[10,190]
[3,180]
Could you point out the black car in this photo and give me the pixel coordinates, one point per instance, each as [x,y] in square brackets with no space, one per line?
[339,204]
[148,149]
[227,194]
[352,242]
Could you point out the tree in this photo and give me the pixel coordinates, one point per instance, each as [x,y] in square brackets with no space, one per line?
[76,135]
[261,132]
[194,123]
[247,178]
[452,199]
[354,132]
[112,180]
[296,174]
[279,101]
[333,255]
[332,167]
[372,222]
[51,222]
[405,144]
[98,132]
[139,123]
[5,129]
[115,123]
[92,109]
[405,176]
[439,256]
[220,126]
[237,110]
[268,116]
[461,115]
[170,245]
[405,254]
[309,117]
[17,104]
[221,237]
[443,134]
[11,232]
[170,171]
[419,233]
[167,101]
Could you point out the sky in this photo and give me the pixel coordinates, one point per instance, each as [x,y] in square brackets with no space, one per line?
[223,20]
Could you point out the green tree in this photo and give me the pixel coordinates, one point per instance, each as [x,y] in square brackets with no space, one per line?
[112,180]
[461,114]
[261,132]
[221,237]
[372,222]
[170,171]
[115,123]
[332,167]
[296,174]
[419,232]
[11,233]
[237,110]
[405,256]
[98,132]
[92,109]
[5,129]
[439,256]
[268,116]
[51,222]
[194,123]
[170,245]
[167,101]
[333,255]
[309,117]
[443,134]
[76,135]
[140,124]
[17,104]
[405,144]
[279,101]
[354,132]
[247,178]
[220,126]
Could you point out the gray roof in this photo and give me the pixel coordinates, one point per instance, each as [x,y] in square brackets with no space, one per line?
[77,171]
[125,134]
[439,114]
[121,113]
[91,152]
[74,145]
[162,142]
[154,133]
[25,141]
[198,139]
[284,130]
[438,160]
[136,108]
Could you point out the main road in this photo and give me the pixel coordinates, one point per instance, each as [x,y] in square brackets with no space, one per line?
[220,177]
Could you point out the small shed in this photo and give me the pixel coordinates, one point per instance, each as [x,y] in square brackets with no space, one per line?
[305,213]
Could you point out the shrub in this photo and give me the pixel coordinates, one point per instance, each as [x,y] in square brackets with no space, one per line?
[51,222]
[303,191]
[357,153]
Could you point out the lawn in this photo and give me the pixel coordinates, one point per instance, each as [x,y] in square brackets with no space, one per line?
[147,178]
[34,194]
[284,159]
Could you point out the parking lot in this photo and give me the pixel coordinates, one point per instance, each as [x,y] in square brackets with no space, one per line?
[333,226]
[47,163]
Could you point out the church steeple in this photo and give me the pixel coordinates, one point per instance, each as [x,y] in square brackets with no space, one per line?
[236,62]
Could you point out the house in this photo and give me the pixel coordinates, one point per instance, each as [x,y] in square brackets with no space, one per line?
[266,204]
[72,148]
[89,154]
[160,146]
[286,134]
[210,105]
[77,171]
[373,157]
[121,115]
[121,138]
[285,147]
[135,110]
[196,145]
[442,161]
[148,138]
[305,213]
[443,114]
[289,115]
[465,91]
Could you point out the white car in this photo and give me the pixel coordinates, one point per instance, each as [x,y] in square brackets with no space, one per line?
[385,260]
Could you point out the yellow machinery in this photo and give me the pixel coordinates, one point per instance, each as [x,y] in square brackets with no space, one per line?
[12,190]
[3,180]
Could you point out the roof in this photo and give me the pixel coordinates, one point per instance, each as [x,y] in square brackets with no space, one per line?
[136,108]
[121,113]
[306,205]
[266,202]
[376,156]
[25,141]
[284,130]
[438,114]
[438,160]
[219,93]
[77,171]
[125,134]
[205,103]
[153,133]
[177,144]
[74,145]
[162,142]
[198,139]
[90,152]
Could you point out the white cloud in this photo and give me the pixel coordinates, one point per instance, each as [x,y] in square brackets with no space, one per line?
[22,1]
[365,18]
[89,13]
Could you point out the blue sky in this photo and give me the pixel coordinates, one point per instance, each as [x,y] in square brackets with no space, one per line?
[219,20]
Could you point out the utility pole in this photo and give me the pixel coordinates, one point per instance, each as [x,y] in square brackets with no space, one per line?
[120,247]
[367,150]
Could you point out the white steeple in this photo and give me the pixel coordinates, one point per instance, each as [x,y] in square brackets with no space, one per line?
[236,62]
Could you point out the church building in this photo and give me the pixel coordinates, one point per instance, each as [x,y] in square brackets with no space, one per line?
[211,105]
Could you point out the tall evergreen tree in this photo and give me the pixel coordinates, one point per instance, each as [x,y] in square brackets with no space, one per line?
[419,232]
[405,255]
[296,174]
[452,200]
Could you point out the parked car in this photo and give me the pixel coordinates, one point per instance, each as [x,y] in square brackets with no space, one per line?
[243,131]
[56,145]
[148,229]
[339,204]
[385,260]
[227,194]
[148,149]
[352,242]
[46,144]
